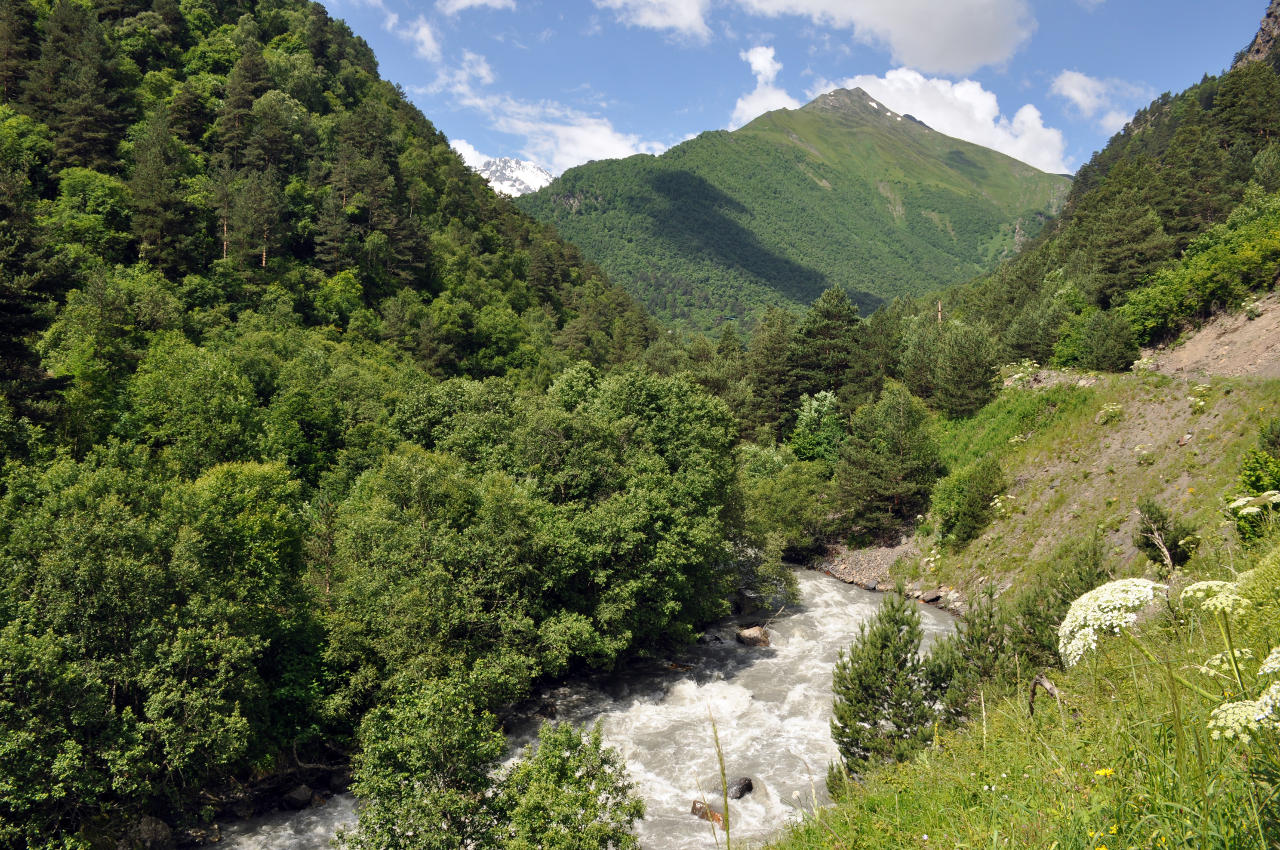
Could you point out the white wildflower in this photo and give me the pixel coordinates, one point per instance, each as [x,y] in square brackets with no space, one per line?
[1222,662]
[1227,603]
[1202,590]
[1271,665]
[1234,721]
[1103,610]
[1268,707]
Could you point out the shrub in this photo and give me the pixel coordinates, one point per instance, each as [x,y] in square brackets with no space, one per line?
[962,502]
[1097,339]
[1162,538]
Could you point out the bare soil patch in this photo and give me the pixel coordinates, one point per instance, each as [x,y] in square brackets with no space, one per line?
[1229,344]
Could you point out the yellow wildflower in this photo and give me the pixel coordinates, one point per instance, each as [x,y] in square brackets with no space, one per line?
[1104,771]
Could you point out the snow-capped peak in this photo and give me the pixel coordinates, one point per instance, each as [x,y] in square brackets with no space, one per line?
[514,176]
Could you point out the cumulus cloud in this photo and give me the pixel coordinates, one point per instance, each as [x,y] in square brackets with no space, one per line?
[941,36]
[554,136]
[967,111]
[1103,100]
[469,154]
[686,17]
[453,7]
[766,96]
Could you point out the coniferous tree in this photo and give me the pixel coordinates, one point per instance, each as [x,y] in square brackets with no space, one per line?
[72,88]
[234,127]
[881,706]
[17,46]
[161,215]
[768,363]
[255,217]
[828,351]
[966,369]
[26,273]
[887,465]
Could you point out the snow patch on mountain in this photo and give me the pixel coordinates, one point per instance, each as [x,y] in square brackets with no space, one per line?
[514,176]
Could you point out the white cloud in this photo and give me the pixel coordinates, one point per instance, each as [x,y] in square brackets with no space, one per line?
[943,36]
[453,7]
[687,17]
[423,38]
[967,111]
[1105,100]
[1113,122]
[766,96]
[1087,93]
[469,154]
[554,135]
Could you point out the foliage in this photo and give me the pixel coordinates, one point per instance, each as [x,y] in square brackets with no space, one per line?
[961,505]
[569,791]
[881,709]
[1166,540]
[1099,340]
[423,772]
[818,432]
[1218,270]
[888,464]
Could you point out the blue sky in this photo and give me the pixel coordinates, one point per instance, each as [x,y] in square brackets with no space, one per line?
[560,83]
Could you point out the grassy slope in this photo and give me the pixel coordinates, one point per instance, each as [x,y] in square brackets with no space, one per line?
[837,193]
[1011,780]
[1070,470]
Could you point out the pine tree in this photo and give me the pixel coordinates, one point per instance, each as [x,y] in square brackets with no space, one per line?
[966,369]
[881,707]
[17,45]
[72,89]
[161,215]
[888,464]
[828,352]
[768,363]
[234,126]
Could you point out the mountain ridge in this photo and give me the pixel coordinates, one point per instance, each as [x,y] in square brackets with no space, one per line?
[842,192]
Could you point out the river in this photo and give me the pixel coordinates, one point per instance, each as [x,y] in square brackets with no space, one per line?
[772,708]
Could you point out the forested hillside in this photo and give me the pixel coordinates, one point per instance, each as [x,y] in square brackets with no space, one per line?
[842,193]
[253,486]
[1132,258]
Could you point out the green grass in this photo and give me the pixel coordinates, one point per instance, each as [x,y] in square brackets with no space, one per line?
[1074,465]
[1125,761]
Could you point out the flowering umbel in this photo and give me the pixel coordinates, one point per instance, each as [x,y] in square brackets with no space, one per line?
[1104,610]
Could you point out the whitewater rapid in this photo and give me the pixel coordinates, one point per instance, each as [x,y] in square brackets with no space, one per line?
[772,709]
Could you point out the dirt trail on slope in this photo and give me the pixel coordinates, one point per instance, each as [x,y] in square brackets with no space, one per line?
[1229,345]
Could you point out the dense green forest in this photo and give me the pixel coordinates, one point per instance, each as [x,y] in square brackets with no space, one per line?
[1169,222]
[299,419]
[318,452]
[841,193]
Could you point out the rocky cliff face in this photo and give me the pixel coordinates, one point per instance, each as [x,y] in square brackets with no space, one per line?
[1265,40]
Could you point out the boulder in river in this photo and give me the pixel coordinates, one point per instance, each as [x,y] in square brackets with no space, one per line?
[707,813]
[931,596]
[754,636]
[739,788]
[298,798]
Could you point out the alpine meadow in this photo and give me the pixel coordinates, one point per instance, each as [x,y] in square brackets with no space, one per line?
[335,481]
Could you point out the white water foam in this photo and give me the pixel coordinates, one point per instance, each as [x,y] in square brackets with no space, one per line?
[772,709]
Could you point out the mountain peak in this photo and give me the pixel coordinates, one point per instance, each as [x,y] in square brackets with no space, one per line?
[514,177]
[1264,42]
[853,102]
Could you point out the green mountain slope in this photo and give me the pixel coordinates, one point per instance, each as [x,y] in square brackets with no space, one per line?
[842,193]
